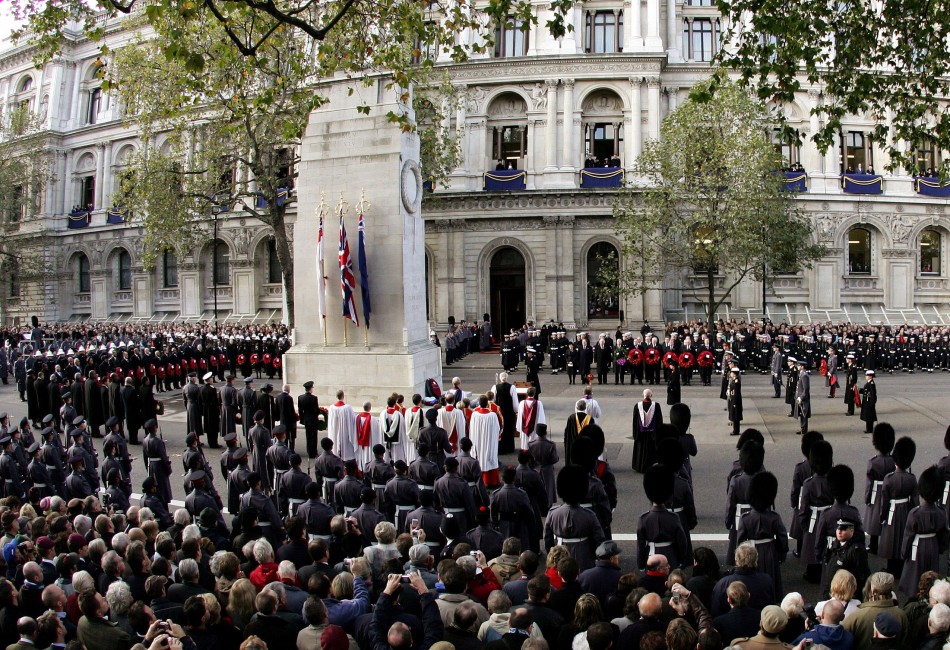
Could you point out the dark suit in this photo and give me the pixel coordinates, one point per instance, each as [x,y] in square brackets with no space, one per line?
[286,415]
[308,408]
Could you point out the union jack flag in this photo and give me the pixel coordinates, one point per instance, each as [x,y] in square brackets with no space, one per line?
[347,280]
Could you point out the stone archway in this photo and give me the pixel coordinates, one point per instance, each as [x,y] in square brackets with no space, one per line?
[507,289]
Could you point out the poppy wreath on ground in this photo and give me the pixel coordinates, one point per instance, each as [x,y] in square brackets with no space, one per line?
[687,360]
[669,358]
[706,359]
[635,356]
[652,356]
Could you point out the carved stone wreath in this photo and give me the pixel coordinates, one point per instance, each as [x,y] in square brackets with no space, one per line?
[410,182]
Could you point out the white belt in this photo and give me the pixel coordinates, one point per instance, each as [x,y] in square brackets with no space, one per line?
[917,538]
[894,503]
[264,524]
[876,484]
[330,481]
[43,485]
[314,536]
[570,540]
[433,544]
[655,545]
[425,487]
[53,468]
[348,511]
[676,511]
[280,471]
[153,460]
[946,492]
[740,510]
[589,506]
[767,540]
[455,510]
[295,502]
[815,513]
[404,508]
[473,483]
[378,486]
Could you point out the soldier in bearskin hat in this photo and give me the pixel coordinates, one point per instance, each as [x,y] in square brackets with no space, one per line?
[879,466]
[670,454]
[751,458]
[898,497]
[801,474]
[680,417]
[659,531]
[571,525]
[749,434]
[584,453]
[815,498]
[943,471]
[764,527]
[926,535]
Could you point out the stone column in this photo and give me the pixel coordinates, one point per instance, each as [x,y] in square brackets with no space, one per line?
[632,32]
[108,178]
[143,292]
[244,288]
[190,290]
[550,129]
[671,31]
[530,162]
[812,162]
[550,299]
[75,107]
[567,154]
[898,277]
[672,93]
[67,182]
[653,42]
[460,131]
[100,174]
[653,104]
[565,271]
[633,137]
[478,163]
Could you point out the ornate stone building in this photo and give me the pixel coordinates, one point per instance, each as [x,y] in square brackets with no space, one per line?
[521,242]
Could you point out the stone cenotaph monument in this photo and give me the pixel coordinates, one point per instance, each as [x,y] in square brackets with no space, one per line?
[347,154]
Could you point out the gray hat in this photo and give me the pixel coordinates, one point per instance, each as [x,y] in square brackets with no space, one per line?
[607,550]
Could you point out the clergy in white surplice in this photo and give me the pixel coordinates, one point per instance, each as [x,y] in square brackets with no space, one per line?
[393,427]
[452,419]
[530,414]
[341,428]
[484,431]
[415,420]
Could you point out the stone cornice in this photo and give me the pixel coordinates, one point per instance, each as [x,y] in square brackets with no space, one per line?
[579,66]
[532,201]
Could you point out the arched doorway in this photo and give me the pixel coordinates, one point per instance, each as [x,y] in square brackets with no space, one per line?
[507,286]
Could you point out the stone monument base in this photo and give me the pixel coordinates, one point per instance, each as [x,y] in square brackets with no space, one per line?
[370,373]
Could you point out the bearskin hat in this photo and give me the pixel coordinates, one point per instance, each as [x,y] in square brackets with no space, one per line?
[763,488]
[930,485]
[572,484]
[679,417]
[821,457]
[751,457]
[666,431]
[841,482]
[584,452]
[750,434]
[669,452]
[596,434]
[658,483]
[946,439]
[905,449]
[808,440]
[883,437]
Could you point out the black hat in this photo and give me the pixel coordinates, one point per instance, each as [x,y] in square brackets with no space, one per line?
[450,526]
[432,415]
[258,415]
[883,437]
[196,475]
[253,478]
[267,388]
[930,485]
[379,450]
[542,429]
[350,467]
[763,488]
[308,385]
[750,434]
[228,437]
[47,419]
[669,452]
[240,453]
[584,452]
[148,484]
[47,431]
[841,482]
[808,440]
[76,456]
[295,460]
[66,394]
[151,423]
[111,422]
[751,457]
[367,495]
[658,483]
[280,430]
[821,457]
[451,462]
[32,449]
[248,380]
[680,416]
[77,432]
[326,444]
[572,484]
[905,449]
[78,420]
[595,433]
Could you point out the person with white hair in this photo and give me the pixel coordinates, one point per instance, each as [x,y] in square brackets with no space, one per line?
[294,596]
[189,586]
[938,624]
[119,597]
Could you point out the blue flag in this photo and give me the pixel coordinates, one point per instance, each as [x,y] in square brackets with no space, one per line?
[364,272]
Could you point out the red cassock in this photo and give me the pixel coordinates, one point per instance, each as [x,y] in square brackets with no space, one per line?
[171,370]
[202,363]
[214,361]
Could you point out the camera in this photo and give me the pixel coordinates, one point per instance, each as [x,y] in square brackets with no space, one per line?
[404,578]
[415,532]
[474,554]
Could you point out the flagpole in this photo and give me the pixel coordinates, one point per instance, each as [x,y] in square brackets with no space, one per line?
[324,331]
[346,340]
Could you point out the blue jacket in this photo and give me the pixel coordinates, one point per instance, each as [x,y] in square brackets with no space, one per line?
[833,636]
[345,612]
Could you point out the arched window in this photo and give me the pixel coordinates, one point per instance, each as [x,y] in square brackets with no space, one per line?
[930,245]
[125,271]
[26,84]
[169,269]
[859,251]
[221,263]
[603,299]
[273,264]
[82,264]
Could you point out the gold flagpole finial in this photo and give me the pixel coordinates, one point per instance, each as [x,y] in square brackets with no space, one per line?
[363,206]
[323,208]
[343,206]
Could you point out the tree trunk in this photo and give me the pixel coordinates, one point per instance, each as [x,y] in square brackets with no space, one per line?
[711,296]
[286,258]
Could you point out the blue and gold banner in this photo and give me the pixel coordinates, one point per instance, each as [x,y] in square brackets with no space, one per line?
[116,214]
[796,182]
[505,179]
[282,195]
[601,177]
[932,186]
[79,218]
[862,183]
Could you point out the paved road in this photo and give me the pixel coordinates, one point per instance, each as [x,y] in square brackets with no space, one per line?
[917,405]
